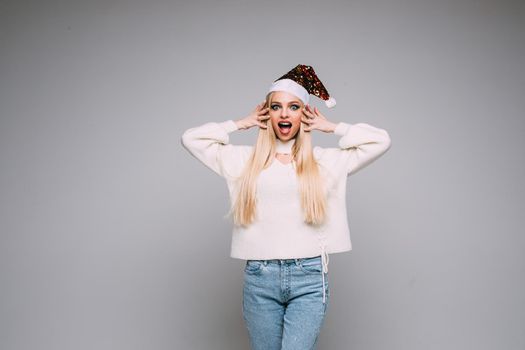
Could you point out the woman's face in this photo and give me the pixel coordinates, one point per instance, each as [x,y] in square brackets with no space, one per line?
[285,112]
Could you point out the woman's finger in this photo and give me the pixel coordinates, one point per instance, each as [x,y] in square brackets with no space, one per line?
[307,109]
[313,112]
[307,120]
[318,113]
[307,113]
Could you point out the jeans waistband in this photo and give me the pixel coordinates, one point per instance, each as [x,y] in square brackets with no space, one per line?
[287,261]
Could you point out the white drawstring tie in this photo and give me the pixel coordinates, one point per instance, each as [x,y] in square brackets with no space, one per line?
[324,260]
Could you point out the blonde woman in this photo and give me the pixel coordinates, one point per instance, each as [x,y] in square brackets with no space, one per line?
[288,204]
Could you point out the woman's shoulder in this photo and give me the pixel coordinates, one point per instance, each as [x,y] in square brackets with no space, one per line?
[237,153]
[244,150]
[234,159]
[329,158]
[325,153]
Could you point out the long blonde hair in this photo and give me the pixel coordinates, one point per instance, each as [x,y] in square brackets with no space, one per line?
[313,198]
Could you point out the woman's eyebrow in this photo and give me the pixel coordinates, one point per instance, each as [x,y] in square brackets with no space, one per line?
[294,101]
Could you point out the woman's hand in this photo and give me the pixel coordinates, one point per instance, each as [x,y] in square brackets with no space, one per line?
[257,117]
[316,121]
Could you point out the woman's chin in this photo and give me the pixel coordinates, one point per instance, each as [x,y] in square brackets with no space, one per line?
[286,137]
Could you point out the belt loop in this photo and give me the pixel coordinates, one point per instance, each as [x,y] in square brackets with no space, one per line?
[265,262]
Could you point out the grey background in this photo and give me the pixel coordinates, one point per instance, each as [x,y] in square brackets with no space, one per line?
[113,236]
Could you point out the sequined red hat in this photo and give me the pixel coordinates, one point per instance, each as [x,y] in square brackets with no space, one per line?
[302,81]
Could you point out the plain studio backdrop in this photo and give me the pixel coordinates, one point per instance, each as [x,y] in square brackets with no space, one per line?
[114,237]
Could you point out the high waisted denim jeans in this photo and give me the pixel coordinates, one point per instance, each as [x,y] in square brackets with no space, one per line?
[283,303]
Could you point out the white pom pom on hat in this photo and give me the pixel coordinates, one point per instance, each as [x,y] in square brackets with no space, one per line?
[330,102]
[302,81]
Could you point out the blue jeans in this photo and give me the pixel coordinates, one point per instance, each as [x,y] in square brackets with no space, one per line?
[283,303]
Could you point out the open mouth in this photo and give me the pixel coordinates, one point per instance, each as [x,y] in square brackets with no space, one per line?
[285,127]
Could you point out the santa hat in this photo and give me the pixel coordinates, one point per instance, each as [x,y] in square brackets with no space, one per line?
[302,81]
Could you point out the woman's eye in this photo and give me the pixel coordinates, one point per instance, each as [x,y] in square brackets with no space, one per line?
[274,107]
[295,107]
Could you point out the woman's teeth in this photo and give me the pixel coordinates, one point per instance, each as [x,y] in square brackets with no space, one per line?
[285,127]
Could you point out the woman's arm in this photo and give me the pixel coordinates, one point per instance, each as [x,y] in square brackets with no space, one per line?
[209,143]
[360,144]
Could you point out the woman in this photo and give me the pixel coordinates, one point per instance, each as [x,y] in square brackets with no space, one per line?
[288,204]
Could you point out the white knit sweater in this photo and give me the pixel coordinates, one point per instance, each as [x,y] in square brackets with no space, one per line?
[279,230]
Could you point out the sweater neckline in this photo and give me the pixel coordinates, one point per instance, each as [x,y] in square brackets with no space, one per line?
[284,147]
[284,164]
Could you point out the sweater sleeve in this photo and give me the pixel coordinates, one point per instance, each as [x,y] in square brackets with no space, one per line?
[360,144]
[209,143]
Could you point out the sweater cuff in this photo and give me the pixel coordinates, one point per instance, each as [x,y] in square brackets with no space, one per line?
[341,128]
[229,126]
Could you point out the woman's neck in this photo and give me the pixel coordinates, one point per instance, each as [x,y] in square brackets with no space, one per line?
[284,147]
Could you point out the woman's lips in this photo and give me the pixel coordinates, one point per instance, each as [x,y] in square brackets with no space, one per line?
[285,127]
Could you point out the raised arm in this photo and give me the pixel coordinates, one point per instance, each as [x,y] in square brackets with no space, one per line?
[360,144]
[210,144]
